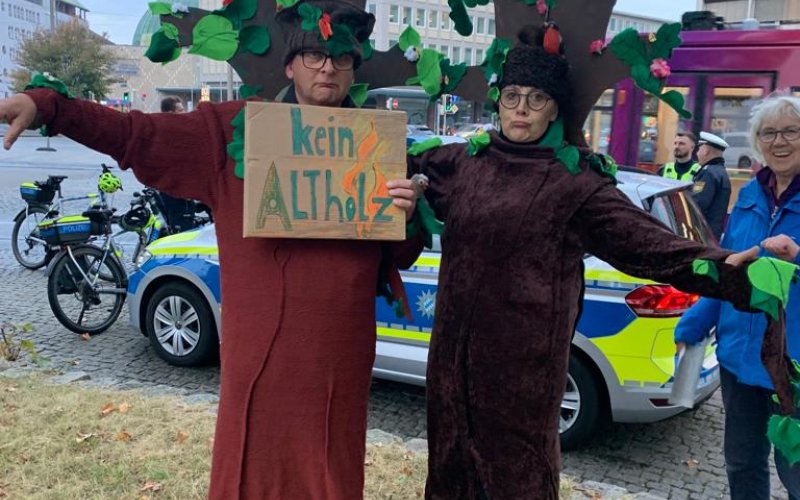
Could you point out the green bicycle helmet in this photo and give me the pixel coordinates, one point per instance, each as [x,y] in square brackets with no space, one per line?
[109,183]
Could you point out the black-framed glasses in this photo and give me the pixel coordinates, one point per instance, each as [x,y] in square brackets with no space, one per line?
[536,101]
[769,134]
[314,59]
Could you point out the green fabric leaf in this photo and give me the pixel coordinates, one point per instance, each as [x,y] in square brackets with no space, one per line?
[667,38]
[246,91]
[236,146]
[603,164]
[430,224]
[470,4]
[240,10]
[784,433]
[429,72]
[453,75]
[409,38]
[358,93]
[550,4]
[644,80]
[341,41]
[284,4]
[214,37]
[770,278]
[554,137]
[675,100]
[160,8]
[570,157]
[629,48]
[162,49]
[47,81]
[494,93]
[460,17]
[495,58]
[310,15]
[255,39]
[478,143]
[366,50]
[170,31]
[420,147]
[705,267]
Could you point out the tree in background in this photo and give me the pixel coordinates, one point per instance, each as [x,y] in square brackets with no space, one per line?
[74,54]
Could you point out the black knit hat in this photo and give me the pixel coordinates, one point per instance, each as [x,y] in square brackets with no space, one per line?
[341,12]
[529,65]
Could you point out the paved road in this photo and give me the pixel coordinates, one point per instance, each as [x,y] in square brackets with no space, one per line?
[679,458]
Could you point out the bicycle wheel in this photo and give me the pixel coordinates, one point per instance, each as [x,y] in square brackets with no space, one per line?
[28,249]
[86,291]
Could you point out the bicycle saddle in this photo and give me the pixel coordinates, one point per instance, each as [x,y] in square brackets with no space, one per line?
[99,215]
[56,178]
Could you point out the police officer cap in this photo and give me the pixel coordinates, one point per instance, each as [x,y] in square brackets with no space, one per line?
[712,140]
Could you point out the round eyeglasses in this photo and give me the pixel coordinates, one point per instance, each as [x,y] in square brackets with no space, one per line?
[536,101]
[769,135]
[314,59]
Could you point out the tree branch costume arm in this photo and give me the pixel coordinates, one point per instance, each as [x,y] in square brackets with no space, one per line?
[180,154]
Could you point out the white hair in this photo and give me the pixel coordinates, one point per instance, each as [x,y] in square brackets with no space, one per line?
[777,104]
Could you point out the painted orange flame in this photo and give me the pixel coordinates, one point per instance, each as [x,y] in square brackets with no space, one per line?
[364,152]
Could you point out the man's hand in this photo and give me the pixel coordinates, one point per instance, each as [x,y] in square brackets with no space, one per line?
[679,346]
[405,197]
[737,259]
[19,112]
[781,246]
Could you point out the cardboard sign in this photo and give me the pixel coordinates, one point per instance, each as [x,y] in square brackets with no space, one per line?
[319,172]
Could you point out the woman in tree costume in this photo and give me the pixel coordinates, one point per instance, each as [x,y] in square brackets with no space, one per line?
[521,208]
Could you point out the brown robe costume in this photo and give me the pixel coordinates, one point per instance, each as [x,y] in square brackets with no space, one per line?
[517,225]
[298,329]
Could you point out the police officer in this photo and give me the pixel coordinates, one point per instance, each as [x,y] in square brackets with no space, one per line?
[685,167]
[712,188]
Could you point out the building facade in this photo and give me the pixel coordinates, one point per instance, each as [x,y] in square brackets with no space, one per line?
[768,12]
[20,19]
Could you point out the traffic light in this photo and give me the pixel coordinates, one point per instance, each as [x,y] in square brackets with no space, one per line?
[448,103]
[126,97]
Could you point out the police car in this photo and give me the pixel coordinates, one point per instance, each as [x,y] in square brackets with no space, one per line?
[622,358]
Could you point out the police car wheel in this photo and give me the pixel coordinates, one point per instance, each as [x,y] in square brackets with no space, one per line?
[580,406]
[180,326]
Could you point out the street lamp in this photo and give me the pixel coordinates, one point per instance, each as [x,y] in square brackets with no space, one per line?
[47,147]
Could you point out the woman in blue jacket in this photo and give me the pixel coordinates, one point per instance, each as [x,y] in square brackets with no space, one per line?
[767,214]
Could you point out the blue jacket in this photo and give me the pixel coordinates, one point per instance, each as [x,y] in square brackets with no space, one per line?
[739,334]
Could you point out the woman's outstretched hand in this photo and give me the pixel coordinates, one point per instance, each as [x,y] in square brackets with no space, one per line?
[737,259]
[19,112]
[782,246]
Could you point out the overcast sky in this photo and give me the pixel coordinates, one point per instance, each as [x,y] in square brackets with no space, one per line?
[118,18]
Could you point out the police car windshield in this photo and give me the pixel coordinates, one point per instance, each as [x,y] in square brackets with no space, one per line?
[680,213]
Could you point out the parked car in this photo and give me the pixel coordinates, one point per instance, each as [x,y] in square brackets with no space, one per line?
[472,129]
[738,154]
[622,359]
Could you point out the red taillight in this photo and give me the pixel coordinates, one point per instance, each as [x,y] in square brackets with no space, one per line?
[659,301]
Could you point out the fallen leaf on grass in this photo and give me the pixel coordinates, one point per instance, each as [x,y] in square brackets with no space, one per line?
[108,408]
[85,336]
[182,437]
[124,407]
[407,471]
[11,389]
[24,458]
[692,463]
[83,437]
[3,493]
[123,435]
[367,462]
[151,486]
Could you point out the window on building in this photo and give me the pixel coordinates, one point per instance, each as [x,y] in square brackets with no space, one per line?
[433,19]
[420,21]
[478,56]
[393,13]
[445,50]
[371,8]
[406,19]
[480,27]
[456,55]
[490,30]
[445,24]
[612,24]
[468,56]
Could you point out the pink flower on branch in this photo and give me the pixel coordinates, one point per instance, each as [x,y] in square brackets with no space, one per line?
[541,7]
[596,47]
[659,68]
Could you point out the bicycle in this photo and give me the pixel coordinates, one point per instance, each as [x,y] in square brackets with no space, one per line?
[87,280]
[28,248]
